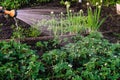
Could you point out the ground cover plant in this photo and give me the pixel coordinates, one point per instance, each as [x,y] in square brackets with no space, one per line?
[17,61]
[89,58]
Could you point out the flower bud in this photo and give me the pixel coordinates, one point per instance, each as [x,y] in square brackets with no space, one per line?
[70,65]
[97,3]
[99,6]
[81,11]
[61,13]
[52,12]
[70,10]
[87,3]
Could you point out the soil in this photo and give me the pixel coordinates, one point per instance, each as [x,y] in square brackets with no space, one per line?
[5,27]
[110,27]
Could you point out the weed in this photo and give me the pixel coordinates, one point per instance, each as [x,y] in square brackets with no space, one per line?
[17,32]
[33,32]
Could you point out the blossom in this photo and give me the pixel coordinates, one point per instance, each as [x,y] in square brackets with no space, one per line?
[61,13]
[105,64]
[52,12]
[70,65]
[87,3]
[99,6]
[66,2]
[81,10]
[97,3]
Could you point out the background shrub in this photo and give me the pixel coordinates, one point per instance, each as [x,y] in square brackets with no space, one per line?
[14,4]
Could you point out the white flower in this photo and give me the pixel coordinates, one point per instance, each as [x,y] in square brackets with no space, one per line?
[105,64]
[89,54]
[97,3]
[100,73]
[52,12]
[87,3]
[81,11]
[115,56]
[80,1]
[70,65]
[66,2]
[61,13]
[31,62]
[99,6]
[68,6]
[70,10]
[101,1]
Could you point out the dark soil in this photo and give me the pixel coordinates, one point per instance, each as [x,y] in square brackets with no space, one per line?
[110,27]
[5,27]
[111,24]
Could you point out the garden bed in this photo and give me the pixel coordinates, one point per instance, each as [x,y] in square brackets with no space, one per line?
[60,54]
[110,28]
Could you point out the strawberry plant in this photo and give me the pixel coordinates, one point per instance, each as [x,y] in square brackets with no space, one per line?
[17,61]
[88,58]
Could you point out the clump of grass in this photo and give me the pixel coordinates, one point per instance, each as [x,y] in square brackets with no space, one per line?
[74,23]
[93,18]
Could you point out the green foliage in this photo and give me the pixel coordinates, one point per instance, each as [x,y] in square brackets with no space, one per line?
[118,1]
[70,1]
[47,45]
[14,4]
[103,2]
[109,2]
[56,68]
[117,35]
[66,23]
[33,32]
[75,23]
[93,18]
[39,44]
[19,32]
[17,61]
[88,58]
[96,35]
